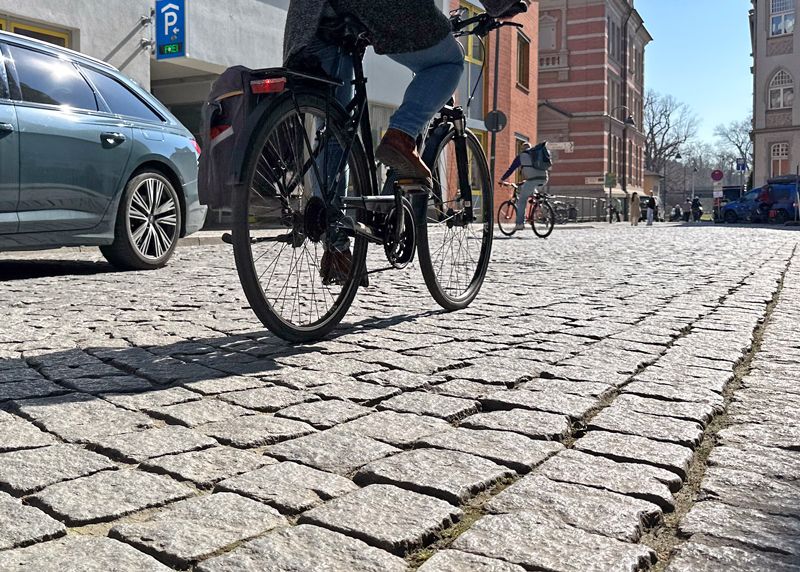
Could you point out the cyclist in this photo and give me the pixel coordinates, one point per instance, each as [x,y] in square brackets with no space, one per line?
[415,34]
[534,177]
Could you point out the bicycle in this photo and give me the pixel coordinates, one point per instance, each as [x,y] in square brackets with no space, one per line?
[539,213]
[307,175]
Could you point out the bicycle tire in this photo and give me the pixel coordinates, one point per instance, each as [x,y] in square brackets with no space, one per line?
[444,203]
[507,218]
[255,215]
[543,219]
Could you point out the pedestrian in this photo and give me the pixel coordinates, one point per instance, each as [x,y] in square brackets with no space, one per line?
[687,210]
[651,209]
[635,209]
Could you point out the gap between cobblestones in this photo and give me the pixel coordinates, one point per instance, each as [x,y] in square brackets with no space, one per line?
[665,538]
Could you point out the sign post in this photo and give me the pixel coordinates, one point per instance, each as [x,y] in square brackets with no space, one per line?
[170,29]
[611,182]
[741,166]
[717,177]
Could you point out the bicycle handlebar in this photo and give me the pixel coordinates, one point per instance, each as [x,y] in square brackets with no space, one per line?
[483,24]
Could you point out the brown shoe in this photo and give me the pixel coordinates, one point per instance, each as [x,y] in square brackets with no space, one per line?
[399,151]
[335,266]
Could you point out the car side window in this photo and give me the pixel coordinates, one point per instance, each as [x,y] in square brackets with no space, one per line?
[50,80]
[120,99]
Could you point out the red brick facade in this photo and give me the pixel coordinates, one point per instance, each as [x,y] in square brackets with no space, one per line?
[584,58]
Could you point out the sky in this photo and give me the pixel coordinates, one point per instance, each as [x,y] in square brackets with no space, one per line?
[700,54]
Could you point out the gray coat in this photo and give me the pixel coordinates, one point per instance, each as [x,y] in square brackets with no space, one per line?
[396,26]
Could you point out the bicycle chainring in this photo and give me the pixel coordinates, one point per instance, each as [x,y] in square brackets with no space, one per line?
[400,253]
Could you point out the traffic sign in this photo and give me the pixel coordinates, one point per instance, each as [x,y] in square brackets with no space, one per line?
[741,164]
[496,121]
[717,175]
[595,181]
[565,146]
[718,194]
[170,29]
[610,180]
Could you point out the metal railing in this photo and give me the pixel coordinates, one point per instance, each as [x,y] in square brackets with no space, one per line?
[582,209]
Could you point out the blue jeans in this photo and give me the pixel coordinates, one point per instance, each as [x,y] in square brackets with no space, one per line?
[526,190]
[437,71]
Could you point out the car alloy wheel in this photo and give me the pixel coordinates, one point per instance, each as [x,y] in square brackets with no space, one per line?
[152,219]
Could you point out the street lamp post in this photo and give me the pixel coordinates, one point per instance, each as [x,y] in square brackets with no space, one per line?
[629,122]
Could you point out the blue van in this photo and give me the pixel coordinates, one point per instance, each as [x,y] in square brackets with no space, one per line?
[744,209]
[89,158]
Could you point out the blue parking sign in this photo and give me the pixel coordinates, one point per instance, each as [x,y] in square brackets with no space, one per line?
[741,164]
[170,29]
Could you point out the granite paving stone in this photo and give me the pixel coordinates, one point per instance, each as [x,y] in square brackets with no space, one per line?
[79,418]
[109,384]
[196,528]
[16,434]
[385,516]
[636,480]
[464,388]
[405,380]
[333,451]
[573,406]
[582,388]
[534,424]
[743,526]
[701,413]
[751,490]
[620,420]
[223,385]
[780,436]
[143,445]
[448,475]
[268,399]
[302,548]
[699,557]
[685,391]
[195,413]
[30,389]
[780,464]
[304,378]
[493,375]
[107,495]
[421,403]
[635,449]
[457,561]
[536,542]
[206,467]
[358,391]
[289,487]
[151,399]
[594,510]
[255,430]
[26,471]
[325,414]
[21,525]
[397,429]
[510,449]
[77,553]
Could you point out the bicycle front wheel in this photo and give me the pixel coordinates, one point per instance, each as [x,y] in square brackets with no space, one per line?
[299,272]
[543,219]
[507,218]
[454,252]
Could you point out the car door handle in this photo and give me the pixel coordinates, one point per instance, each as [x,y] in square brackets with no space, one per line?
[6,128]
[112,139]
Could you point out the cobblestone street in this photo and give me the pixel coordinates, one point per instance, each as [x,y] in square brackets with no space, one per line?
[616,399]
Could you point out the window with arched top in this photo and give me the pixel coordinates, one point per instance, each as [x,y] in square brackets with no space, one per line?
[781,91]
[779,153]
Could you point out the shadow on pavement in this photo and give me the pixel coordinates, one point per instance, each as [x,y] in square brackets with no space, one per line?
[27,269]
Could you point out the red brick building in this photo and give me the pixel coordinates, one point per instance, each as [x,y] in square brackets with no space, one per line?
[591,79]
[517,86]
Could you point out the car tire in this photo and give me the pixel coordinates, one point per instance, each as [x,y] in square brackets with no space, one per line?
[148,224]
[781,217]
[730,217]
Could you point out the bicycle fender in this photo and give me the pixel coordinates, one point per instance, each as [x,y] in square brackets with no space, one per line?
[432,144]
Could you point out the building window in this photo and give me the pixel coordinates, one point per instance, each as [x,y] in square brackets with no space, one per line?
[781,91]
[523,61]
[518,149]
[780,159]
[473,82]
[57,37]
[781,17]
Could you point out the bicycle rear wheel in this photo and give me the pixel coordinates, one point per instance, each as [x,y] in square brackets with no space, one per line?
[281,226]
[454,254]
[507,218]
[543,219]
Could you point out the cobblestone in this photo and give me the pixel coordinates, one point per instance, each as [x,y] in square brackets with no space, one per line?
[22,525]
[332,451]
[205,468]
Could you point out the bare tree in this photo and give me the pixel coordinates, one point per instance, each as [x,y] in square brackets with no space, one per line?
[735,141]
[668,126]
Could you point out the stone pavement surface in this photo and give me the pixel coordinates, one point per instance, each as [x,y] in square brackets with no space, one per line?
[616,399]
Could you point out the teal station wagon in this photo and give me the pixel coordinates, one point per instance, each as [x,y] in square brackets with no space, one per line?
[89,158]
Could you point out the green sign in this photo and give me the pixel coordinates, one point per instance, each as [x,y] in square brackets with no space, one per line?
[170,49]
[611,180]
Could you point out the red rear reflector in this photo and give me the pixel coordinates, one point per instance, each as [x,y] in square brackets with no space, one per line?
[196,146]
[273,85]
